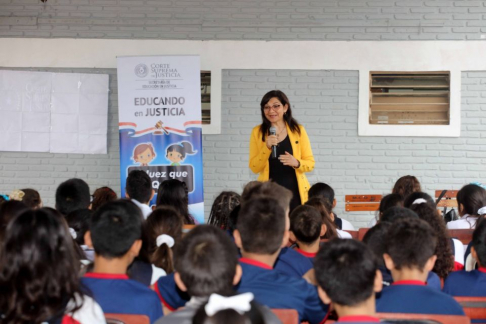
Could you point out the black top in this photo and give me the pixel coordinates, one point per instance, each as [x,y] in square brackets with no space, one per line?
[284,175]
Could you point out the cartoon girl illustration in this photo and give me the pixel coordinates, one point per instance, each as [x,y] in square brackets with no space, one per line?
[176,153]
[144,154]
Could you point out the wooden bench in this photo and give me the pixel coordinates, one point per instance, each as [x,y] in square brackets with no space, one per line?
[474,307]
[443,319]
[449,200]
[112,318]
[362,202]
[287,316]
[362,232]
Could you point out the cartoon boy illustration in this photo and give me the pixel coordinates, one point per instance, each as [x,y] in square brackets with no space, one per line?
[144,154]
[176,153]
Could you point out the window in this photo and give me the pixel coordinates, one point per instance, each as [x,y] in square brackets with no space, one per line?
[206,97]
[419,98]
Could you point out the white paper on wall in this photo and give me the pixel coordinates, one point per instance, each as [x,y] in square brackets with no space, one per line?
[48,112]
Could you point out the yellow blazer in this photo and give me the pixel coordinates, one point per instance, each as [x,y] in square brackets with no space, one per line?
[302,151]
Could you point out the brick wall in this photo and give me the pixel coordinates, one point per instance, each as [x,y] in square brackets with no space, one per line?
[245,19]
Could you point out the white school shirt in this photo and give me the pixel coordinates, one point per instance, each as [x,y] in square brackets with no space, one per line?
[146,210]
[343,234]
[347,226]
[465,222]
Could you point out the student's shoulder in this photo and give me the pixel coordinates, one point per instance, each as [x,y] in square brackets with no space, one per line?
[459,224]
[347,225]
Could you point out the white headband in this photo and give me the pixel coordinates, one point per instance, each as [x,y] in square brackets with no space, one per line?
[239,303]
[165,239]
[72,231]
[419,201]
[482,210]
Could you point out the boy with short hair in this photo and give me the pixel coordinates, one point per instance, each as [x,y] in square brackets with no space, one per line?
[471,283]
[139,190]
[115,233]
[323,190]
[206,262]
[72,195]
[306,228]
[262,230]
[409,255]
[348,277]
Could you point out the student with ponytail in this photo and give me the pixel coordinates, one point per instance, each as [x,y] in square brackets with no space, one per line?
[450,252]
[164,231]
[470,200]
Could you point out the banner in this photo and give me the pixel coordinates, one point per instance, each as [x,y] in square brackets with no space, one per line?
[159,100]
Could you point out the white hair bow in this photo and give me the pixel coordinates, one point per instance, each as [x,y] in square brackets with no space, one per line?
[72,231]
[165,239]
[239,303]
[419,201]
[482,210]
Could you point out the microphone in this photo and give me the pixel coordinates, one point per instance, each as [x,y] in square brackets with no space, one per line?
[273,131]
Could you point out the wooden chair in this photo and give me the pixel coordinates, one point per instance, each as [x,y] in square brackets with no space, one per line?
[443,319]
[287,316]
[448,200]
[112,318]
[463,235]
[362,202]
[362,232]
[474,307]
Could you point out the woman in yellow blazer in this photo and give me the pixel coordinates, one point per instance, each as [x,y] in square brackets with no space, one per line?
[294,153]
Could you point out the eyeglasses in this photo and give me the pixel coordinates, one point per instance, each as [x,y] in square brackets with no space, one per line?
[274,107]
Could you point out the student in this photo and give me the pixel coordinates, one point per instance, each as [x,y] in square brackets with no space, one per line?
[39,273]
[406,185]
[101,196]
[450,252]
[31,198]
[8,211]
[164,230]
[325,209]
[375,239]
[115,233]
[139,190]
[348,277]
[394,214]
[262,230]
[222,207]
[207,263]
[409,255]
[470,200]
[238,309]
[471,283]
[306,228]
[325,191]
[71,195]
[388,201]
[174,193]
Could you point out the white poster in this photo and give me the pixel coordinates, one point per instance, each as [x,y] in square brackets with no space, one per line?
[53,112]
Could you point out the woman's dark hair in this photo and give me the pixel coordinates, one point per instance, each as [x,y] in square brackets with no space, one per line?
[445,259]
[289,120]
[38,269]
[253,316]
[324,206]
[174,193]
[472,197]
[222,207]
[31,198]
[8,211]
[101,196]
[406,185]
[391,200]
[479,242]
[163,220]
